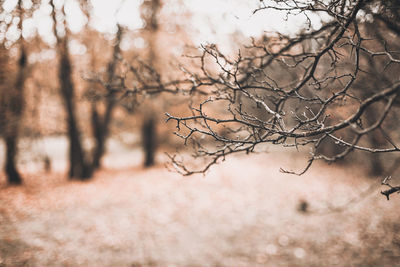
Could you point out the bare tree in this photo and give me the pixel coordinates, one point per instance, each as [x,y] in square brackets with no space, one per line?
[150,11]
[101,121]
[80,166]
[337,83]
[12,101]
[146,80]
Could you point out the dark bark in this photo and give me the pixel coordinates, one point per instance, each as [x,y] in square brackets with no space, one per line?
[150,14]
[13,176]
[98,136]
[12,119]
[79,167]
[149,141]
[376,167]
[101,124]
[101,131]
[13,108]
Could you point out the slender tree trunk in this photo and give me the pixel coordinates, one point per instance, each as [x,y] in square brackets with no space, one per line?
[13,124]
[101,124]
[9,122]
[101,131]
[13,176]
[376,166]
[79,167]
[13,108]
[149,141]
[98,136]
[150,13]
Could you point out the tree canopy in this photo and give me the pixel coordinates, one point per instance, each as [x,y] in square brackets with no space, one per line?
[333,85]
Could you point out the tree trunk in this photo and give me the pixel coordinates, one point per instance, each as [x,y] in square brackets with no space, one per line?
[79,168]
[13,176]
[78,165]
[13,108]
[150,14]
[100,131]
[149,141]
[101,124]
[376,166]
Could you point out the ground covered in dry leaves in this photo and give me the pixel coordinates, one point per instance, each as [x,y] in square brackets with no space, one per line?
[243,213]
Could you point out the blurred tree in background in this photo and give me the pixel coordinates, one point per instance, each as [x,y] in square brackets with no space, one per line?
[12,82]
[101,122]
[79,165]
[149,12]
[93,75]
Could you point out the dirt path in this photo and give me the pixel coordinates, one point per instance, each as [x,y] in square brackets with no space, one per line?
[244,213]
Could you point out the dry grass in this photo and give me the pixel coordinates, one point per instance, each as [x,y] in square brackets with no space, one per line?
[243,213]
